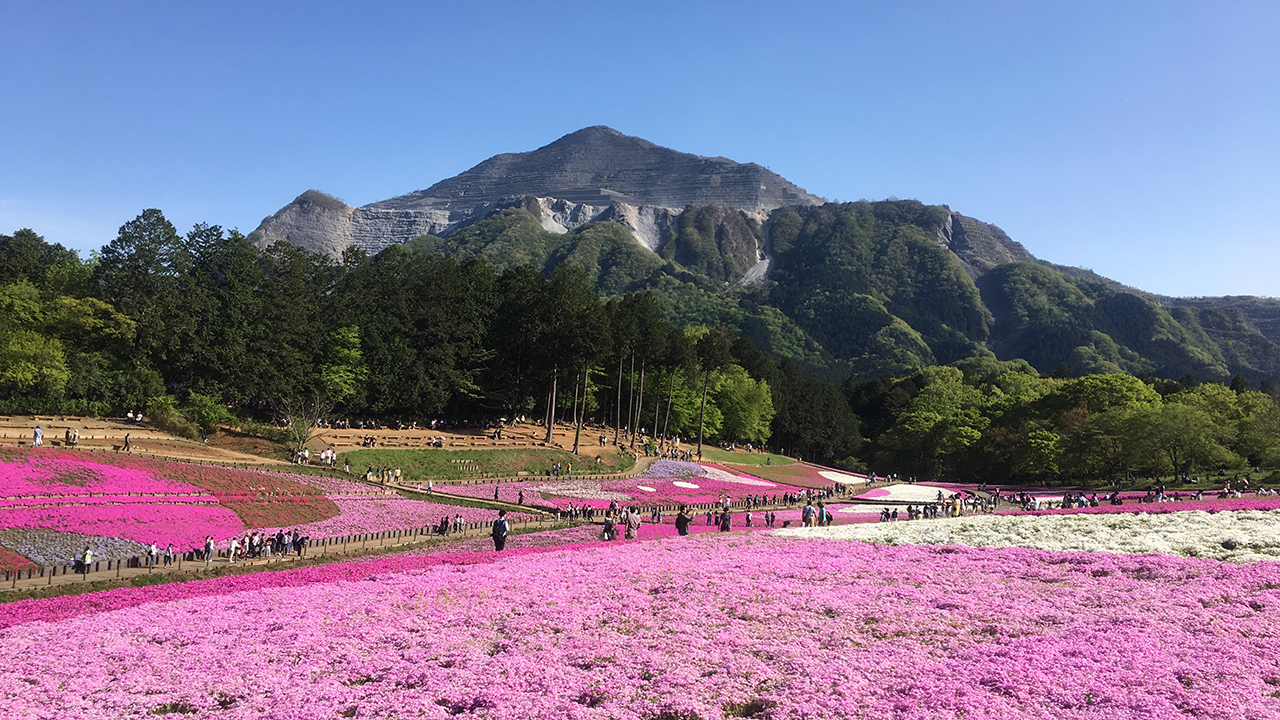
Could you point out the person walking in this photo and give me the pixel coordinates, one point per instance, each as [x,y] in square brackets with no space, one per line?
[168,555]
[128,446]
[87,558]
[500,529]
[208,550]
[152,551]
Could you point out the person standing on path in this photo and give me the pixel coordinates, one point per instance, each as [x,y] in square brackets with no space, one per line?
[87,558]
[633,524]
[168,555]
[682,522]
[151,556]
[128,447]
[37,437]
[208,550]
[500,529]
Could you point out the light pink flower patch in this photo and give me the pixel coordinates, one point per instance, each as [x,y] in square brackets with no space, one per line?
[711,627]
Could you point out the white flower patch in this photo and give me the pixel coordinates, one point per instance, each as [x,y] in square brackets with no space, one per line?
[907,493]
[842,478]
[583,489]
[722,476]
[869,509]
[646,488]
[683,484]
[1240,536]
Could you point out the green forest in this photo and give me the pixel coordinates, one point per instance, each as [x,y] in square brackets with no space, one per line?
[869,347]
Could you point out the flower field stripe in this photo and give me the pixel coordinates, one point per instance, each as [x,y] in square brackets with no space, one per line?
[60,608]
[1130,506]
[711,627]
[1240,536]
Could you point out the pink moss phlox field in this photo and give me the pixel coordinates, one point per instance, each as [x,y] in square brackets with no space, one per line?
[70,606]
[1131,506]
[706,627]
[41,475]
[378,514]
[656,486]
[185,524]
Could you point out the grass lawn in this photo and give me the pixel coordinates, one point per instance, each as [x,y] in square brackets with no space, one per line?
[445,464]
[744,458]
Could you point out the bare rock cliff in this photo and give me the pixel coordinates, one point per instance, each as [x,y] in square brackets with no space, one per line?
[594,174]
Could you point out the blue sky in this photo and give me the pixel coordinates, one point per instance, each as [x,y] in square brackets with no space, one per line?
[1141,140]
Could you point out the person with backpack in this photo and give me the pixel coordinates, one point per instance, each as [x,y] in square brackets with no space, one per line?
[500,529]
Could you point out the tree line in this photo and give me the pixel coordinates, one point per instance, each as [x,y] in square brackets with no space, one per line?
[204,326]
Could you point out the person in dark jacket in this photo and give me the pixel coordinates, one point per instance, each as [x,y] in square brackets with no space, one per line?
[682,521]
[500,529]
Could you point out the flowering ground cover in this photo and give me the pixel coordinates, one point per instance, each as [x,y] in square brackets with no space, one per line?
[745,625]
[362,514]
[665,482]
[797,475]
[185,525]
[258,498]
[10,560]
[50,547]
[1236,536]
[903,492]
[1211,505]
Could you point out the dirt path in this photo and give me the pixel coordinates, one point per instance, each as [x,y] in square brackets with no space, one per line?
[99,434]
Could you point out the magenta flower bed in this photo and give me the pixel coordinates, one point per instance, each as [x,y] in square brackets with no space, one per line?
[39,475]
[377,514]
[743,625]
[1133,506]
[184,525]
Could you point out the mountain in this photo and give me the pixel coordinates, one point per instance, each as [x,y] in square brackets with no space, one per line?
[868,288]
[596,173]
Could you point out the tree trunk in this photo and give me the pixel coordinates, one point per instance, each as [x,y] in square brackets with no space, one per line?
[631,397]
[702,413]
[551,406]
[639,406]
[617,414]
[671,394]
[576,423]
[657,403]
[586,376]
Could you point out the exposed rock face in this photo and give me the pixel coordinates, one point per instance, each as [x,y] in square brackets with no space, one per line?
[599,163]
[593,174]
[980,246]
